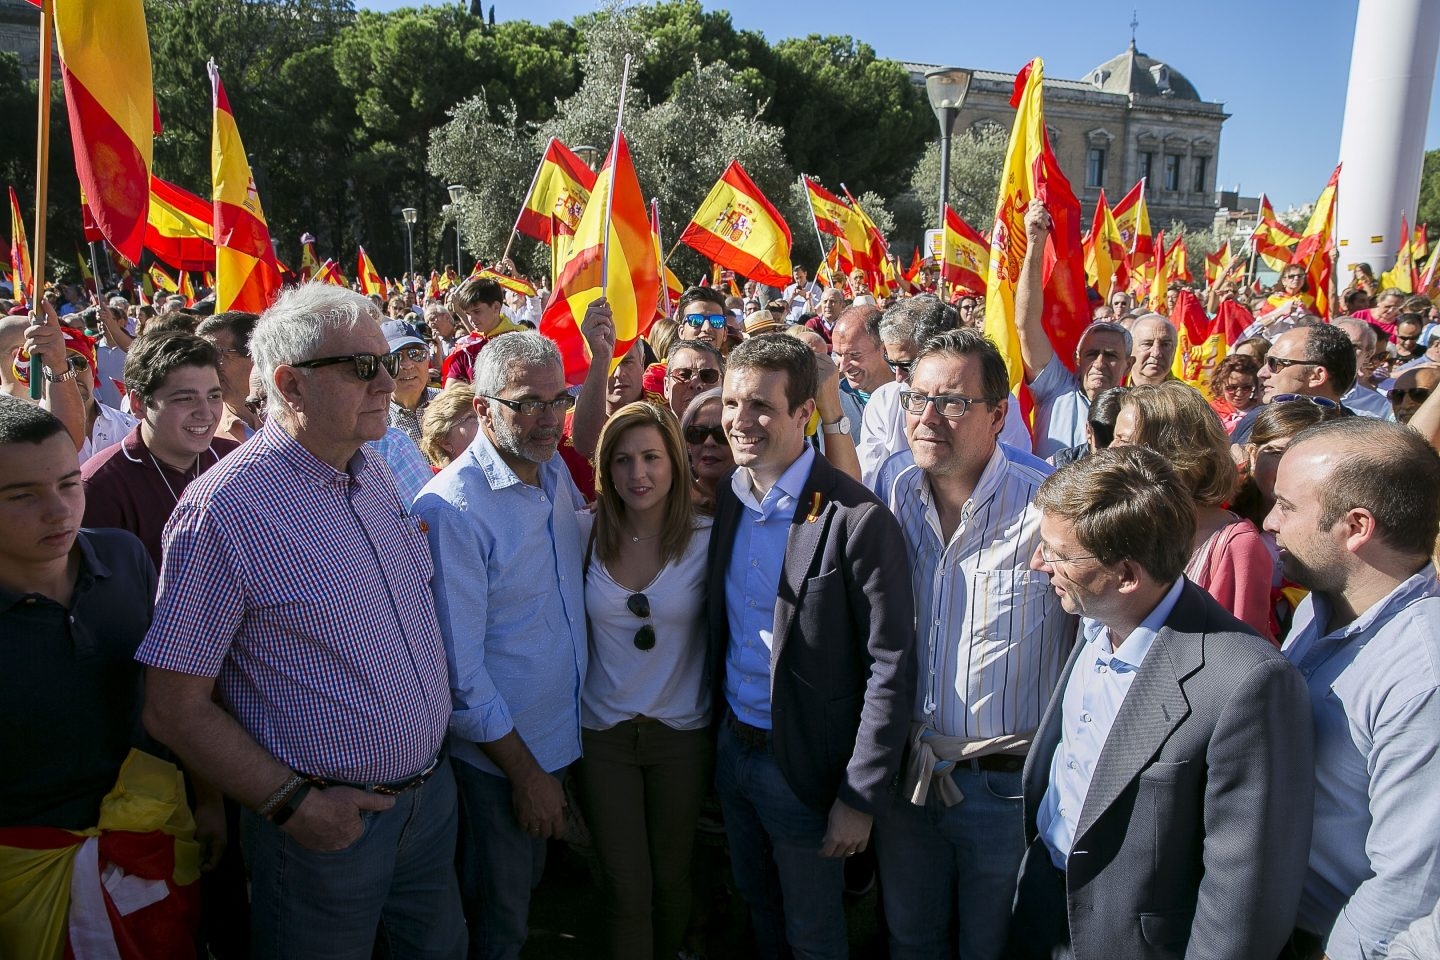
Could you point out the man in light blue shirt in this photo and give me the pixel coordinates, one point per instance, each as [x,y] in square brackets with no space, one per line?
[1355,520]
[509,594]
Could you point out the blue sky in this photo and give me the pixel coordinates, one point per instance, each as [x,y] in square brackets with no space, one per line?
[1280,68]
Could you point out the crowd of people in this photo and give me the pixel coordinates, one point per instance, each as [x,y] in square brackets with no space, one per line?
[353,610]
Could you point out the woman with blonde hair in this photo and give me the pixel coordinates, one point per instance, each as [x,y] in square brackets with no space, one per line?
[448,425]
[645,708]
[1228,558]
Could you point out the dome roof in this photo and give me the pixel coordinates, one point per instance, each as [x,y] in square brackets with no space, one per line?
[1134,73]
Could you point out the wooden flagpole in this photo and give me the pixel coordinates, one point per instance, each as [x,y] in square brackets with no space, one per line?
[42,182]
[610,197]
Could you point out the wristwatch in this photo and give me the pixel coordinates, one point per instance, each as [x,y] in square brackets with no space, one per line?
[69,374]
[841,426]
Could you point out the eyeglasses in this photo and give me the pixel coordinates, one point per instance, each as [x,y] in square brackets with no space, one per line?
[1276,364]
[697,434]
[1051,561]
[952,406]
[900,366]
[709,376]
[414,353]
[255,405]
[1293,276]
[231,350]
[1418,394]
[1323,403]
[698,320]
[529,408]
[639,604]
[77,362]
[367,365]
[1241,389]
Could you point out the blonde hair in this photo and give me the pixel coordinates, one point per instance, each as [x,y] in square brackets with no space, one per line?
[442,415]
[1174,420]
[679,520]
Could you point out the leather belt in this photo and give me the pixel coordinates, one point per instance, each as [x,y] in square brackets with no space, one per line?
[997,763]
[393,788]
[753,737]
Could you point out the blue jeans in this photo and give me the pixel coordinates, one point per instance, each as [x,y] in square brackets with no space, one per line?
[397,883]
[950,871]
[775,844]
[500,865]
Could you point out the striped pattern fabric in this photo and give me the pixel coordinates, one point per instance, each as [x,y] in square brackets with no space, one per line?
[991,637]
[305,591]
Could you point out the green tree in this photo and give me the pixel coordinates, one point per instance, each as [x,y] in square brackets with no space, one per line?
[976,160]
[1428,210]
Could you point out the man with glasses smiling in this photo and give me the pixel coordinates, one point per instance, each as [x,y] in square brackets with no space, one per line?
[1313,363]
[701,316]
[509,594]
[412,378]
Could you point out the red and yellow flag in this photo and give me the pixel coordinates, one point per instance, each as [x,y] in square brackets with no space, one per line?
[1159,276]
[87,278]
[611,255]
[329,272]
[1031,171]
[513,284]
[1217,264]
[1401,276]
[834,217]
[738,228]
[105,65]
[1420,243]
[246,274]
[21,276]
[1426,284]
[180,227]
[160,280]
[369,277]
[561,188]
[1177,262]
[1200,343]
[1273,241]
[1104,249]
[1315,249]
[1132,221]
[964,255]
[186,290]
[309,262]
[670,286]
[879,271]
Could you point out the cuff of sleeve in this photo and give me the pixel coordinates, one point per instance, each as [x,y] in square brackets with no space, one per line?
[484,723]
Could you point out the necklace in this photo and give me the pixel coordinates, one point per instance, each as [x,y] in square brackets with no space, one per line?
[166,480]
[638,539]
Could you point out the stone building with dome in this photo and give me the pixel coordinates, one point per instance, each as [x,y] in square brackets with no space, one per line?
[1132,116]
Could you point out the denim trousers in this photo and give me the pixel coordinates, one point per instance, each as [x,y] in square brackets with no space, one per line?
[500,865]
[641,784]
[796,896]
[948,873]
[395,884]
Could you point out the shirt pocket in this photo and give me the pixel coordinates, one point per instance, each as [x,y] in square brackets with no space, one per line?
[1006,606]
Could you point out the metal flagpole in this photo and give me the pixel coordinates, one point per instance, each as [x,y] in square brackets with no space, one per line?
[610,198]
[42,182]
[824,259]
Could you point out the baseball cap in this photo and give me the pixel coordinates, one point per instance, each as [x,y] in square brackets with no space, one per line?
[399,334]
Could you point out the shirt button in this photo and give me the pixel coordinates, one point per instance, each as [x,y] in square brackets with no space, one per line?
[1085,717]
[937,623]
[1102,669]
[1073,765]
[752,603]
[754,563]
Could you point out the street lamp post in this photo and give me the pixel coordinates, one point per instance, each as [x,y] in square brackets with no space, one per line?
[457,192]
[946,87]
[409,215]
[588,155]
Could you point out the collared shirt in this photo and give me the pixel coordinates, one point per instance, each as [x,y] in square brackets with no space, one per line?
[110,363]
[409,420]
[510,594]
[1368,402]
[407,464]
[752,583]
[991,634]
[110,428]
[1061,409]
[1375,696]
[1093,697]
[305,591]
[882,432]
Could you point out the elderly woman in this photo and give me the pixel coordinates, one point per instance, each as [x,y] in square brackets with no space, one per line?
[1235,387]
[711,460]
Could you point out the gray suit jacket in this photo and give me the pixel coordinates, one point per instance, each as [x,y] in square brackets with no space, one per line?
[1195,832]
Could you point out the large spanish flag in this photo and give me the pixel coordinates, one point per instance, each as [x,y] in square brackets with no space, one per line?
[105,64]
[21,277]
[612,254]
[1031,171]
[368,276]
[246,274]
[1273,241]
[1201,343]
[1315,249]
[309,262]
[1132,219]
[1104,249]
[834,217]
[738,228]
[561,188]
[964,254]
[180,227]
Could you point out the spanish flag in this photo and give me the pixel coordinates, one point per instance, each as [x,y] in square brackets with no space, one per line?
[1273,241]
[1159,276]
[965,255]
[105,65]
[738,228]
[180,227]
[670,286]
[1177,261]
[160,280]
[309,262]
[612,254]
[561,188]
[22,278]
[247,276]
[513,284]
[330,273]
[1315,251]
[876,260]
[368,276]
[1201,343]
[87,277]
[1217,264]
[1132,219]
[186,289]
[1420,244]
[832,216]
[1402,275]
[1104,249]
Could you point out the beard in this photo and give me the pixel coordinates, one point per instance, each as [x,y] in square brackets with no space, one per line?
[510,441]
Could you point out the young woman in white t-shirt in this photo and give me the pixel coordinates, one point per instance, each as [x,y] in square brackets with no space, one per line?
[645,711]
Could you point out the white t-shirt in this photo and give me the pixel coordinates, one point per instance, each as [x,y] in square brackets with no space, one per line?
[666,681]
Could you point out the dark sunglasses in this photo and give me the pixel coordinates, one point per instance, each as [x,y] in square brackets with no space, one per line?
[1324,403]
[900,366]
[367,365]
[697,434]
[639,604]
[77,362]
[1276,364]
[1418,394]
[708,376]
[414,353]
[698,320]
[255,405]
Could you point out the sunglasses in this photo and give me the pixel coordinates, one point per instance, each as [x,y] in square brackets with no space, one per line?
[639,604]
[709,376]
[1276,364]
[367,365]
[77,362]
[414,353]
[698,320]
[1323,403]
[1243,389]
[900,366]
[255,405]
[697,434]
[1418,394]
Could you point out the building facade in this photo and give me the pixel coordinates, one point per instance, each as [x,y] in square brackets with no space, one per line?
[20,34]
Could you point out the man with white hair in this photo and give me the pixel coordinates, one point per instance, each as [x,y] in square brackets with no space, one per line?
[295,587]
[1153,351]
[1363,398]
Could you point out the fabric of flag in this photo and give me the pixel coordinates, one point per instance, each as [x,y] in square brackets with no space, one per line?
[965,255]
[832,216]
[1159,276]
[513,284]
[1314,251]
[329,272]
[180,227]
[186,289]
[1177,262]
[247,276]
[369,277]
[160,280]
[1273,241]
[432,287]
[1420,244]
[88,226]
[612,255]
[670,286]
[1132,221]
[1232,320]
[562,188]
[87,278]
[1032,171]
[105,65]
[737,227]
[1401,275]
[1200,343]
[1217,264]
[309,261]
[917,262]
[22,279]
[876,259]
[1104,249]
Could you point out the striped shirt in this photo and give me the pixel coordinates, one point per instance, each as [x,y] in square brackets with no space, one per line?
[990,633]
[305,591]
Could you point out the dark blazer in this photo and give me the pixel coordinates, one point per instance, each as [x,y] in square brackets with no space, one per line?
[842,671]
[1195,833]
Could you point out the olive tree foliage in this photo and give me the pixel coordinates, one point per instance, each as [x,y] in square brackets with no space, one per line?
[976,161]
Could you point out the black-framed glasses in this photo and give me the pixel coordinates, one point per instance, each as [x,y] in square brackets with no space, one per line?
[1418,394]
[698,320]
[899,366]
[255,405]
[697,434]
[529,408]
[951,406]
[1293,276]
[1239,389]
[413,352]
[639,604]
[78,362]
[1276,364]
[367,365]
[709,376]
[1325,403]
